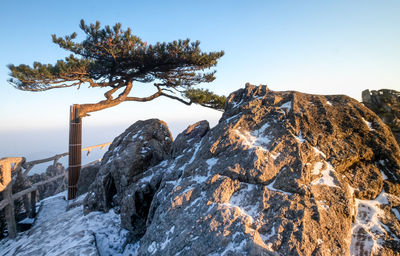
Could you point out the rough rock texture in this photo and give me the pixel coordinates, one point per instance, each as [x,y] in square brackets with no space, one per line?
[142,145]
[283,173]
[191,135]
[386,104]
[50,188]
[138,196]
[86,177]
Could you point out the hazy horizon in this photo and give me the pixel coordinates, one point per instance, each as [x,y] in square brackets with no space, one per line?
[37,144]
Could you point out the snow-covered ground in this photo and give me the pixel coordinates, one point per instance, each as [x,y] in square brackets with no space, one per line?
[60,232]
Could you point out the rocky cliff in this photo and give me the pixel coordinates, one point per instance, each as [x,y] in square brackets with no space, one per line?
[386,104]
[283,173]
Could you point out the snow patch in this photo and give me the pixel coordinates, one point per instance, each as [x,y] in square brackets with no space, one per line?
[266,237]
[240,199]
[318,152]
[396,213]
[27,221]
[369,124]
[211,162]
[232,117]
[271,187]
[300,138]
[327,178]
[152,248]
[199,179]
[236,104]
[255,139]
[287,105]
[367,231]
[328,103]
[196,149]
[275,156]
[167,240]
[384,177]
[317,168]
[147,179]
[322,204]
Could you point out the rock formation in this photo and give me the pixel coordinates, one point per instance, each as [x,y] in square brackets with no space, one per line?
[283,173]
[142,145]
[386,104]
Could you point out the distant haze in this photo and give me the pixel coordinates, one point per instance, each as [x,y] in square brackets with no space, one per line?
[39,144]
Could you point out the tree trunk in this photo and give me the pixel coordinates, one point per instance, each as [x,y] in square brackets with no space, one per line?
[75,151]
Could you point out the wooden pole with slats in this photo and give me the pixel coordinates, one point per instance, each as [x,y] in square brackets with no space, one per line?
[75,151]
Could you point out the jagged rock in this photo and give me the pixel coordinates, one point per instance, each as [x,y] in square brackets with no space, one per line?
[282,173]
[51,188]
[386,104]
[86,178]
[142,145]
[138,196]
[190,136]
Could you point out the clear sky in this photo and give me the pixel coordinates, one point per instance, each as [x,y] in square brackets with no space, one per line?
[322,47]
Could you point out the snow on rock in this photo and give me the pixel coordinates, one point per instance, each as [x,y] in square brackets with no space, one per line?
[287,105]
[318,152]
[256,139]
[369,124]
[368,232]
[264,182]
[241,200]
[327,175]
[140,146]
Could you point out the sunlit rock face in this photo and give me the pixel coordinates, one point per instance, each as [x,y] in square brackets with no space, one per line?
[283,173]
[386,104]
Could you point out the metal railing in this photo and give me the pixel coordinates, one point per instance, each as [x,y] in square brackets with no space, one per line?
[9,165]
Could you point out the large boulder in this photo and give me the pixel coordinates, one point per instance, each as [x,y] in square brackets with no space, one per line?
[138,197]
[142,145]
[283,173]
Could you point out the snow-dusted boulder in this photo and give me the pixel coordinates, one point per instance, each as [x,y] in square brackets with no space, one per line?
[282,173]
[138,197]
[142,145]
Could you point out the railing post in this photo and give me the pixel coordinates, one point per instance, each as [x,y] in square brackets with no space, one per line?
[6,189]
[9,212]
[75,148]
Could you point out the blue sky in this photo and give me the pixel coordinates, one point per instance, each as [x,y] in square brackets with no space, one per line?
[322,47]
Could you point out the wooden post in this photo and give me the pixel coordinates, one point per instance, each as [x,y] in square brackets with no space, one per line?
[33,205]
[75,151]
[9,212]
[6,189]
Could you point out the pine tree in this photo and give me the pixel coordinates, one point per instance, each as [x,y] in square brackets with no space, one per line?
[114,58]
